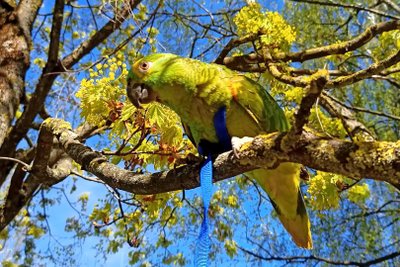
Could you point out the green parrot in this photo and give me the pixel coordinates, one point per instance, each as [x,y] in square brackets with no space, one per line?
[196,91]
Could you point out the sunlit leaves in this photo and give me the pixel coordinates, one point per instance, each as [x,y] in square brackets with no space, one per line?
[101,95]
[175,260]
[274,30]
[359,193]
[230,247]
[324,191]
[388,43]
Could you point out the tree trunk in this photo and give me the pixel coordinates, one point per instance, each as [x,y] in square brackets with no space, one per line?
[14,61]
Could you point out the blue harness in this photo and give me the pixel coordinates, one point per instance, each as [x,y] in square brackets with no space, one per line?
[210,150]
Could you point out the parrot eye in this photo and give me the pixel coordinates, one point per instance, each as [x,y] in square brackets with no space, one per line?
[144,66]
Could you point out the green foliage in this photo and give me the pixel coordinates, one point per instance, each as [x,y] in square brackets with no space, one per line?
[323,191]
[8,264]
[388,43]
[359,193]
[176,260]
[230,247]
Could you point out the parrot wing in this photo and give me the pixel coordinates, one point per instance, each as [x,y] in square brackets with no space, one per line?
[260,106]
[253,111]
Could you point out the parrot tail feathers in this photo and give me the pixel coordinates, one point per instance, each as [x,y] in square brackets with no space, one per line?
[299,225]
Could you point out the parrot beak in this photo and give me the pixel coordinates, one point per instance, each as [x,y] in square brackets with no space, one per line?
[139,93]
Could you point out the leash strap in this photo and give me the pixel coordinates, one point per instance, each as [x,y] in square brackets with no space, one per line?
[206,176]
[203,242]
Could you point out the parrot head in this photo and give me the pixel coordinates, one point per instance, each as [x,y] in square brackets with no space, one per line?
[143,78]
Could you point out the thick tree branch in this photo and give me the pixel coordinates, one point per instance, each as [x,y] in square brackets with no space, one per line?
[313,91]
[375,160]
[16,200]
[37,99]
[232,44]
[250,63]
[14,61]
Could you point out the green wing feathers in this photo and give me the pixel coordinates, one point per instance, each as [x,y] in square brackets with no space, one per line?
[256,101]
[253,111]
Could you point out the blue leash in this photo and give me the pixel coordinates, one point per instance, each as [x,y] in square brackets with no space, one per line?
[206,174]
[203,241]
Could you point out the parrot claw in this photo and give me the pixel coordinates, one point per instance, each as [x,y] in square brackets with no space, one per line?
[237,143]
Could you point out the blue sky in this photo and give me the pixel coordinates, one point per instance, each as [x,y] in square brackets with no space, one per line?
[58,213]
[86,253]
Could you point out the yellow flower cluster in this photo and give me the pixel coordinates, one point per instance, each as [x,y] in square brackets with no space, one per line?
[106,84]
[250,20]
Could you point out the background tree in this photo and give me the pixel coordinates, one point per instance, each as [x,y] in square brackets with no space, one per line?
[332,65]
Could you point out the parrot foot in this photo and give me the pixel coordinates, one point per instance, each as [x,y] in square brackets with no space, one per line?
[237,143]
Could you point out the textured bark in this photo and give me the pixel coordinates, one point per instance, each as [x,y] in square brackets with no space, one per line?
[45,82]
[15,43]
[374,160]
[50,166]
[14,61]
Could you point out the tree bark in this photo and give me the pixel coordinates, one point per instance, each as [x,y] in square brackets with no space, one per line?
[14,61]
[376,160]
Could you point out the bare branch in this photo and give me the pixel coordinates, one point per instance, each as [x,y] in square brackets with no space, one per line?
[274,69]
[382,114]
[27,167]
[85,47]
[365,73]
[350,123]
[391,4]
[356,7]
[303,259]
